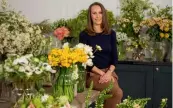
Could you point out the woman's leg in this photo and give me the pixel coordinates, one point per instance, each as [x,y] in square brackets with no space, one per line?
[116,91]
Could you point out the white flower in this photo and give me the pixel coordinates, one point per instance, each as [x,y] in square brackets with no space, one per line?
[48,68]
[87,49]
[89,62]
[38,71]
[28,56]
[44,98]
[28,68]
[21,60]
[21,69]
[8,69]
[98,47]
[65,45]
[80,45]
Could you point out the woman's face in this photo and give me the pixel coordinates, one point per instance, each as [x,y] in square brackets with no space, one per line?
[96,15]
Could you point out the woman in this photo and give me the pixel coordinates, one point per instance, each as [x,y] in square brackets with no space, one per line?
[102,72]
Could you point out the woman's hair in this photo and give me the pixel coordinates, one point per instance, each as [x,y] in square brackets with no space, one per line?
[104,25]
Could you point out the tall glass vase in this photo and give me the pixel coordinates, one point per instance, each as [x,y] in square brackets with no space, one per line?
[82,79]
[64,84]
[121,51]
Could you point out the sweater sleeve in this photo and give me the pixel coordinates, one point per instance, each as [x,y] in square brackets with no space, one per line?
[83,39]
[114,49]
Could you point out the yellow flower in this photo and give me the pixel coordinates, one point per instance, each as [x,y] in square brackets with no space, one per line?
[167,25]
[166,35]
[166,29]
[161,35]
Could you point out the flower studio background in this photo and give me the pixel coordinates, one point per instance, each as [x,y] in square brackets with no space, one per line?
[127,24]
[39,10]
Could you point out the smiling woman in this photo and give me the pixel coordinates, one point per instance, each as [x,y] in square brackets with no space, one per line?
[102,72]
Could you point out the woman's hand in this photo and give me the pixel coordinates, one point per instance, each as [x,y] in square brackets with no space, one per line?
[106,77]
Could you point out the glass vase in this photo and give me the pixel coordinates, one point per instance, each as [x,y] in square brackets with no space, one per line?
[158,51]
[64,84]
[22,88]
[121,52]
[81,80]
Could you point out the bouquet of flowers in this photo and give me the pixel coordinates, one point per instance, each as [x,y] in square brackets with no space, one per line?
[65,59]
[158,28]
[26,69]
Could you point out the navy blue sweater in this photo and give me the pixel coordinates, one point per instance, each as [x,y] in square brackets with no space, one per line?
[108,55]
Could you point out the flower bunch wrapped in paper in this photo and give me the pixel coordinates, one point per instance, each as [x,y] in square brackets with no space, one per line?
[66,60]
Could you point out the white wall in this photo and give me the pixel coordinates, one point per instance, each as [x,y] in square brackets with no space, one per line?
[39,10]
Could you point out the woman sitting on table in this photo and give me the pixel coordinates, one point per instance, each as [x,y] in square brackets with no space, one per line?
[103,70]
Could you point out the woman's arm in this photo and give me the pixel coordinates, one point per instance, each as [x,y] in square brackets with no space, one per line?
[83,39]
[114,54]
[97,71]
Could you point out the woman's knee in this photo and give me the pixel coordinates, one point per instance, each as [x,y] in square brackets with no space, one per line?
[117,92]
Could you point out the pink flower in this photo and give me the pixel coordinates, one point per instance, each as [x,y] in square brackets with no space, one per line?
[61,32]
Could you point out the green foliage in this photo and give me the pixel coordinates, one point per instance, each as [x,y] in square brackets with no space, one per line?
[103,95]
[88,95]
[111,19]
[59,23]
[76,25]
[163,103]
[133,103]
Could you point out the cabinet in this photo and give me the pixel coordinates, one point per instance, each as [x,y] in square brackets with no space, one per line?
[141,79]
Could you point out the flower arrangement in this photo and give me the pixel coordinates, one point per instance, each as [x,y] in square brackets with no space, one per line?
[133,103]
[18,35]
[158,28]
[26,68]
[65,59]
